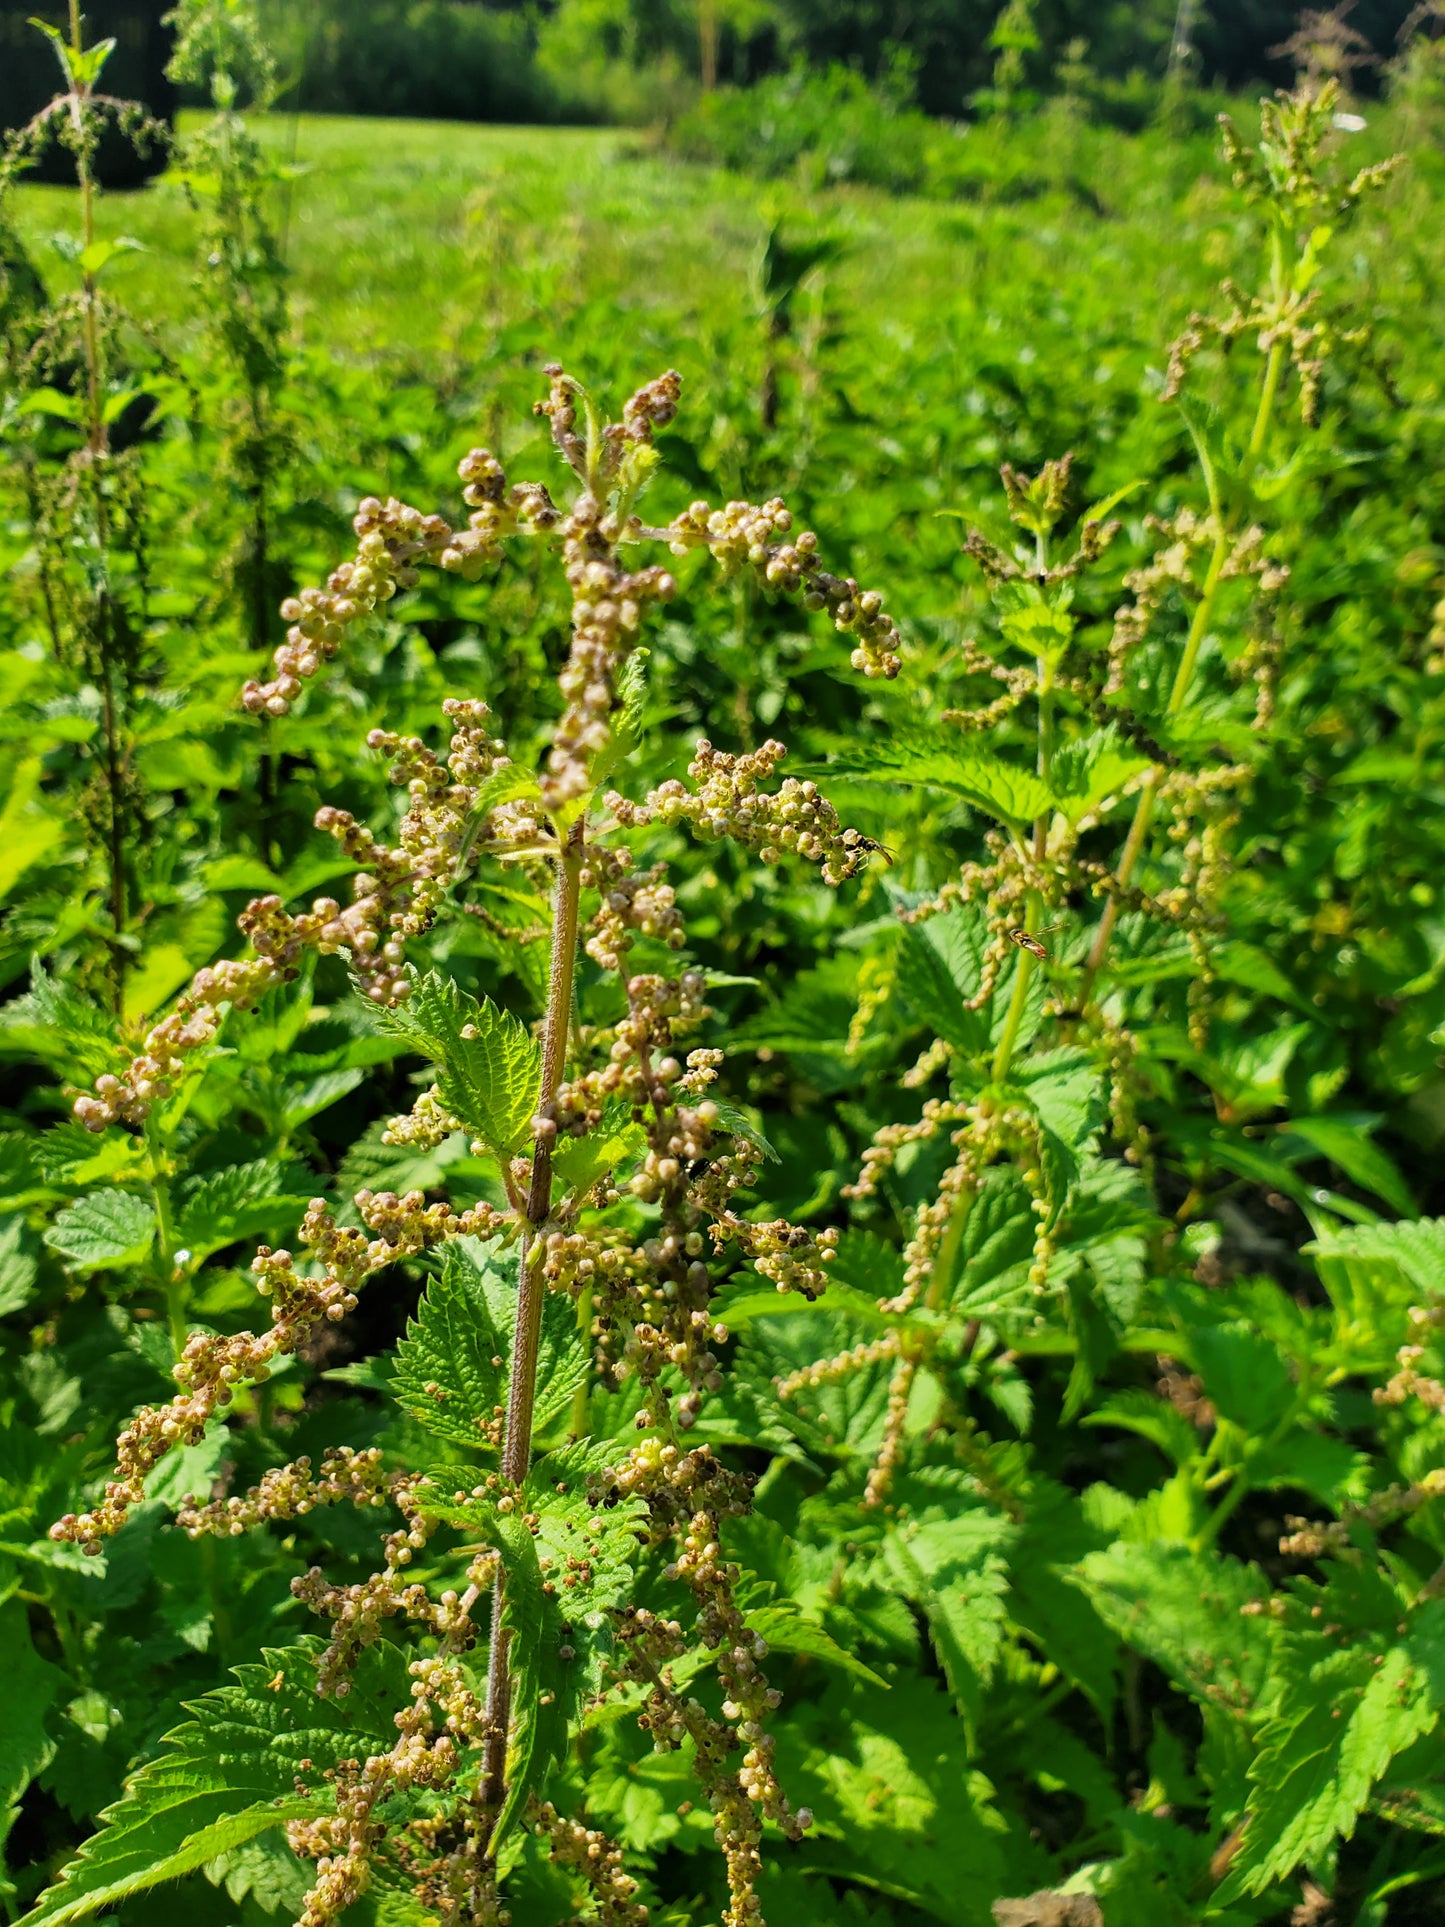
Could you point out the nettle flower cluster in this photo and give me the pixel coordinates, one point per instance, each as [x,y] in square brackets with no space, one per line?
[615,1129]
[1289,175]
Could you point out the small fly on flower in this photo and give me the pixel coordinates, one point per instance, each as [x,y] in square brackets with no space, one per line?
[1026,940]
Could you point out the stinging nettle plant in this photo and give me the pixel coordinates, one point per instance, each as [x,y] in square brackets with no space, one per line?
[541,1569]
[1033,1067]
[72,366]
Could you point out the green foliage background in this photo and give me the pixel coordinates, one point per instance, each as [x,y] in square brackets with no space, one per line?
[1058,1655]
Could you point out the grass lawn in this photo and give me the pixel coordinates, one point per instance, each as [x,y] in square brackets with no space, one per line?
[404,235]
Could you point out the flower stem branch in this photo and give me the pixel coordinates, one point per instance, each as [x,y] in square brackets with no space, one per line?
[531,1288]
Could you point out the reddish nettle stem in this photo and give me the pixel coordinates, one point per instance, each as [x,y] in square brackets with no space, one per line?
[531,1288]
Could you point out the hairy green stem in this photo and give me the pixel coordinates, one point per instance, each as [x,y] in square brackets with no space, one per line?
[531,1289]
[1033,910]
[177,1286]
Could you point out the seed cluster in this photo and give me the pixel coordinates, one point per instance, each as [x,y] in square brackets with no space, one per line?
[1408,1381]
[688,1495]
[291,1491]
[391,539]
[1313,1539]
[151,1075]
[211,1368]
[1287,170]
[395,896]
[344,1844]
[740,535]
[634,904]
[599,1860]
[728,803]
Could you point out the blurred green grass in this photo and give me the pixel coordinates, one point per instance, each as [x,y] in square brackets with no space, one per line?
[404,236]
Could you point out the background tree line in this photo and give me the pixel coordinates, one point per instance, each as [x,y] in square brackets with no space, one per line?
[644,60]
[630,59]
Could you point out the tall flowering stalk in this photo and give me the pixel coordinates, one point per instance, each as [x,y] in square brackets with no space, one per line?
[622,1179]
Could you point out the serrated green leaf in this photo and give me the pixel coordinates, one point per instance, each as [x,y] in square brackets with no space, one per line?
[225,1206]
[266,1871]
[1084,773]
[934,760]
[1343,1141]
[31,1684]
[1340,1724]
[18,1263]
[60,1026]
[306,1100]
[787,1631]
[578,1162]
[1246,1378]
[584,1552]
[731,1117]
[895,1801]
[28,830]
[489,1079]
[952,1569]
[1151,1418]
[626,717]
[1417,1248]
[1185,1612]
[1065,1088]
[452,1366]
[504,785]
[229,1774]
[940,967]
[539,1725]
[106,1230]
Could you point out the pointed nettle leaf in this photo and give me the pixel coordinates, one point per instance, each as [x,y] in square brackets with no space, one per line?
[489,1070]
[82,66]
[1150,1418]
[935,759]
[1339,1722]
[1186,1611]
[940,967]
[1247,1378]
[1036,620]
[19,1264]
[953,1567]
[20,1166]
[504,785]
[618,1141]
[61,1026]
[1417,1249]
[812,1018]
[732,1117]
[626,716]
[1225,1146]
[451,1369]
[839,1419]
[1344,1140]
[1086,773]
[786,1630]
[104,1231]
[1064,1090]
[230,1774]
[225,1206]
